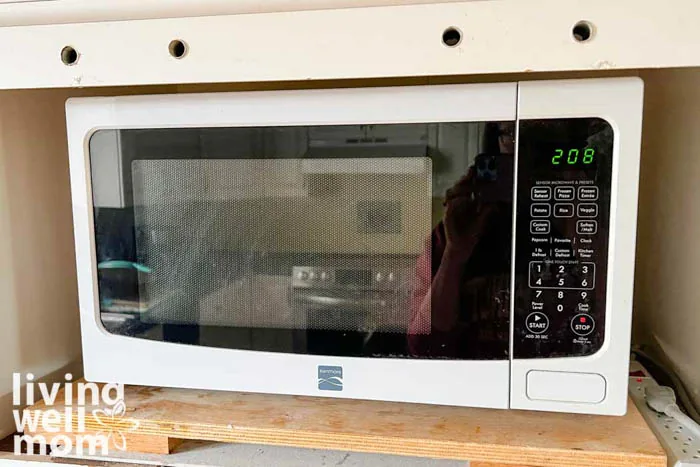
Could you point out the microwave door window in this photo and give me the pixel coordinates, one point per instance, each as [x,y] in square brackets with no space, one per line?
[388,241]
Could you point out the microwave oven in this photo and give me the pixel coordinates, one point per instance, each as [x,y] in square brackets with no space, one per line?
[467,245]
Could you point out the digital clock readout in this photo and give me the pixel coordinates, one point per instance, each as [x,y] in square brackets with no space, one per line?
[573,156]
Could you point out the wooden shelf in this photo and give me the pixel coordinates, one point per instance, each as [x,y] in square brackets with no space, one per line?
[496,437]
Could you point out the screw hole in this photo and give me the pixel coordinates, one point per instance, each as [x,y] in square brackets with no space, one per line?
[451,37]
[69,56]
[583,31]
[177,48]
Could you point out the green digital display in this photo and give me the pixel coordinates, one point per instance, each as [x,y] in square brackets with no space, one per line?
[573,156]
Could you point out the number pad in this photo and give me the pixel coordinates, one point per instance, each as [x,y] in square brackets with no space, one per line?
[549,275]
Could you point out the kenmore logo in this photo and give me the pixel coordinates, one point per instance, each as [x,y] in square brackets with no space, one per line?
[330,378]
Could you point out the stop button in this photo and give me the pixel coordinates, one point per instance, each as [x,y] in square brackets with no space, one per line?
[582,324]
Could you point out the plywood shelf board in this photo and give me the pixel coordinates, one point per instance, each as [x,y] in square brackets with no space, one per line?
[497,436]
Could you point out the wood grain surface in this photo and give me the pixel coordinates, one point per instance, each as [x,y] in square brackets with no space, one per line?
[493,437]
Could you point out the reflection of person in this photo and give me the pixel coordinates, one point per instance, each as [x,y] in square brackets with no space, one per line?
[462,277]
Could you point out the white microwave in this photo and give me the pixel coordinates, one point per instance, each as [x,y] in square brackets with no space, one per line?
[467,245]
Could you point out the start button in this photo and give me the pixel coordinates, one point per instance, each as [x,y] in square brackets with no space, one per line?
[537,322]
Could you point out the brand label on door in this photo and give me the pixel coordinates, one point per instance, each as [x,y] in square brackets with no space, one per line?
[330,378]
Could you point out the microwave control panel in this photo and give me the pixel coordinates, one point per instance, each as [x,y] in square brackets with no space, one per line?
[562,233]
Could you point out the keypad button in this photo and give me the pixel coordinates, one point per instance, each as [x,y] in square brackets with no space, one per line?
[564,193]
[554,275]
[586,271]
[563,210]
[585,253]
[537,322]
[588,210]
[582,324]
[588,193]
[541,193]
[538,271]
[562,253]
[539,227]
[540,210]
[586,227]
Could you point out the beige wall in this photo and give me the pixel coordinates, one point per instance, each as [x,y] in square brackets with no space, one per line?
[39,328]
[39,318]
[667,287]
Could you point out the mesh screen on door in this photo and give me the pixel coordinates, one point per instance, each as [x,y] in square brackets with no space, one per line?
[282,243]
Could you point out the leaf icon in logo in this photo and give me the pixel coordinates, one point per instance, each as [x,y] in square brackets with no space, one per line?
[108,418]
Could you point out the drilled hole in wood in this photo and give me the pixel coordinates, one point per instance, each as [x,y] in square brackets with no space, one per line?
[69,56]
[451,37]
[582,31]
[177,48]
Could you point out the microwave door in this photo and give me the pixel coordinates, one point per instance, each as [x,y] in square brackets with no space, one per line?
[403,255]
[383,247]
